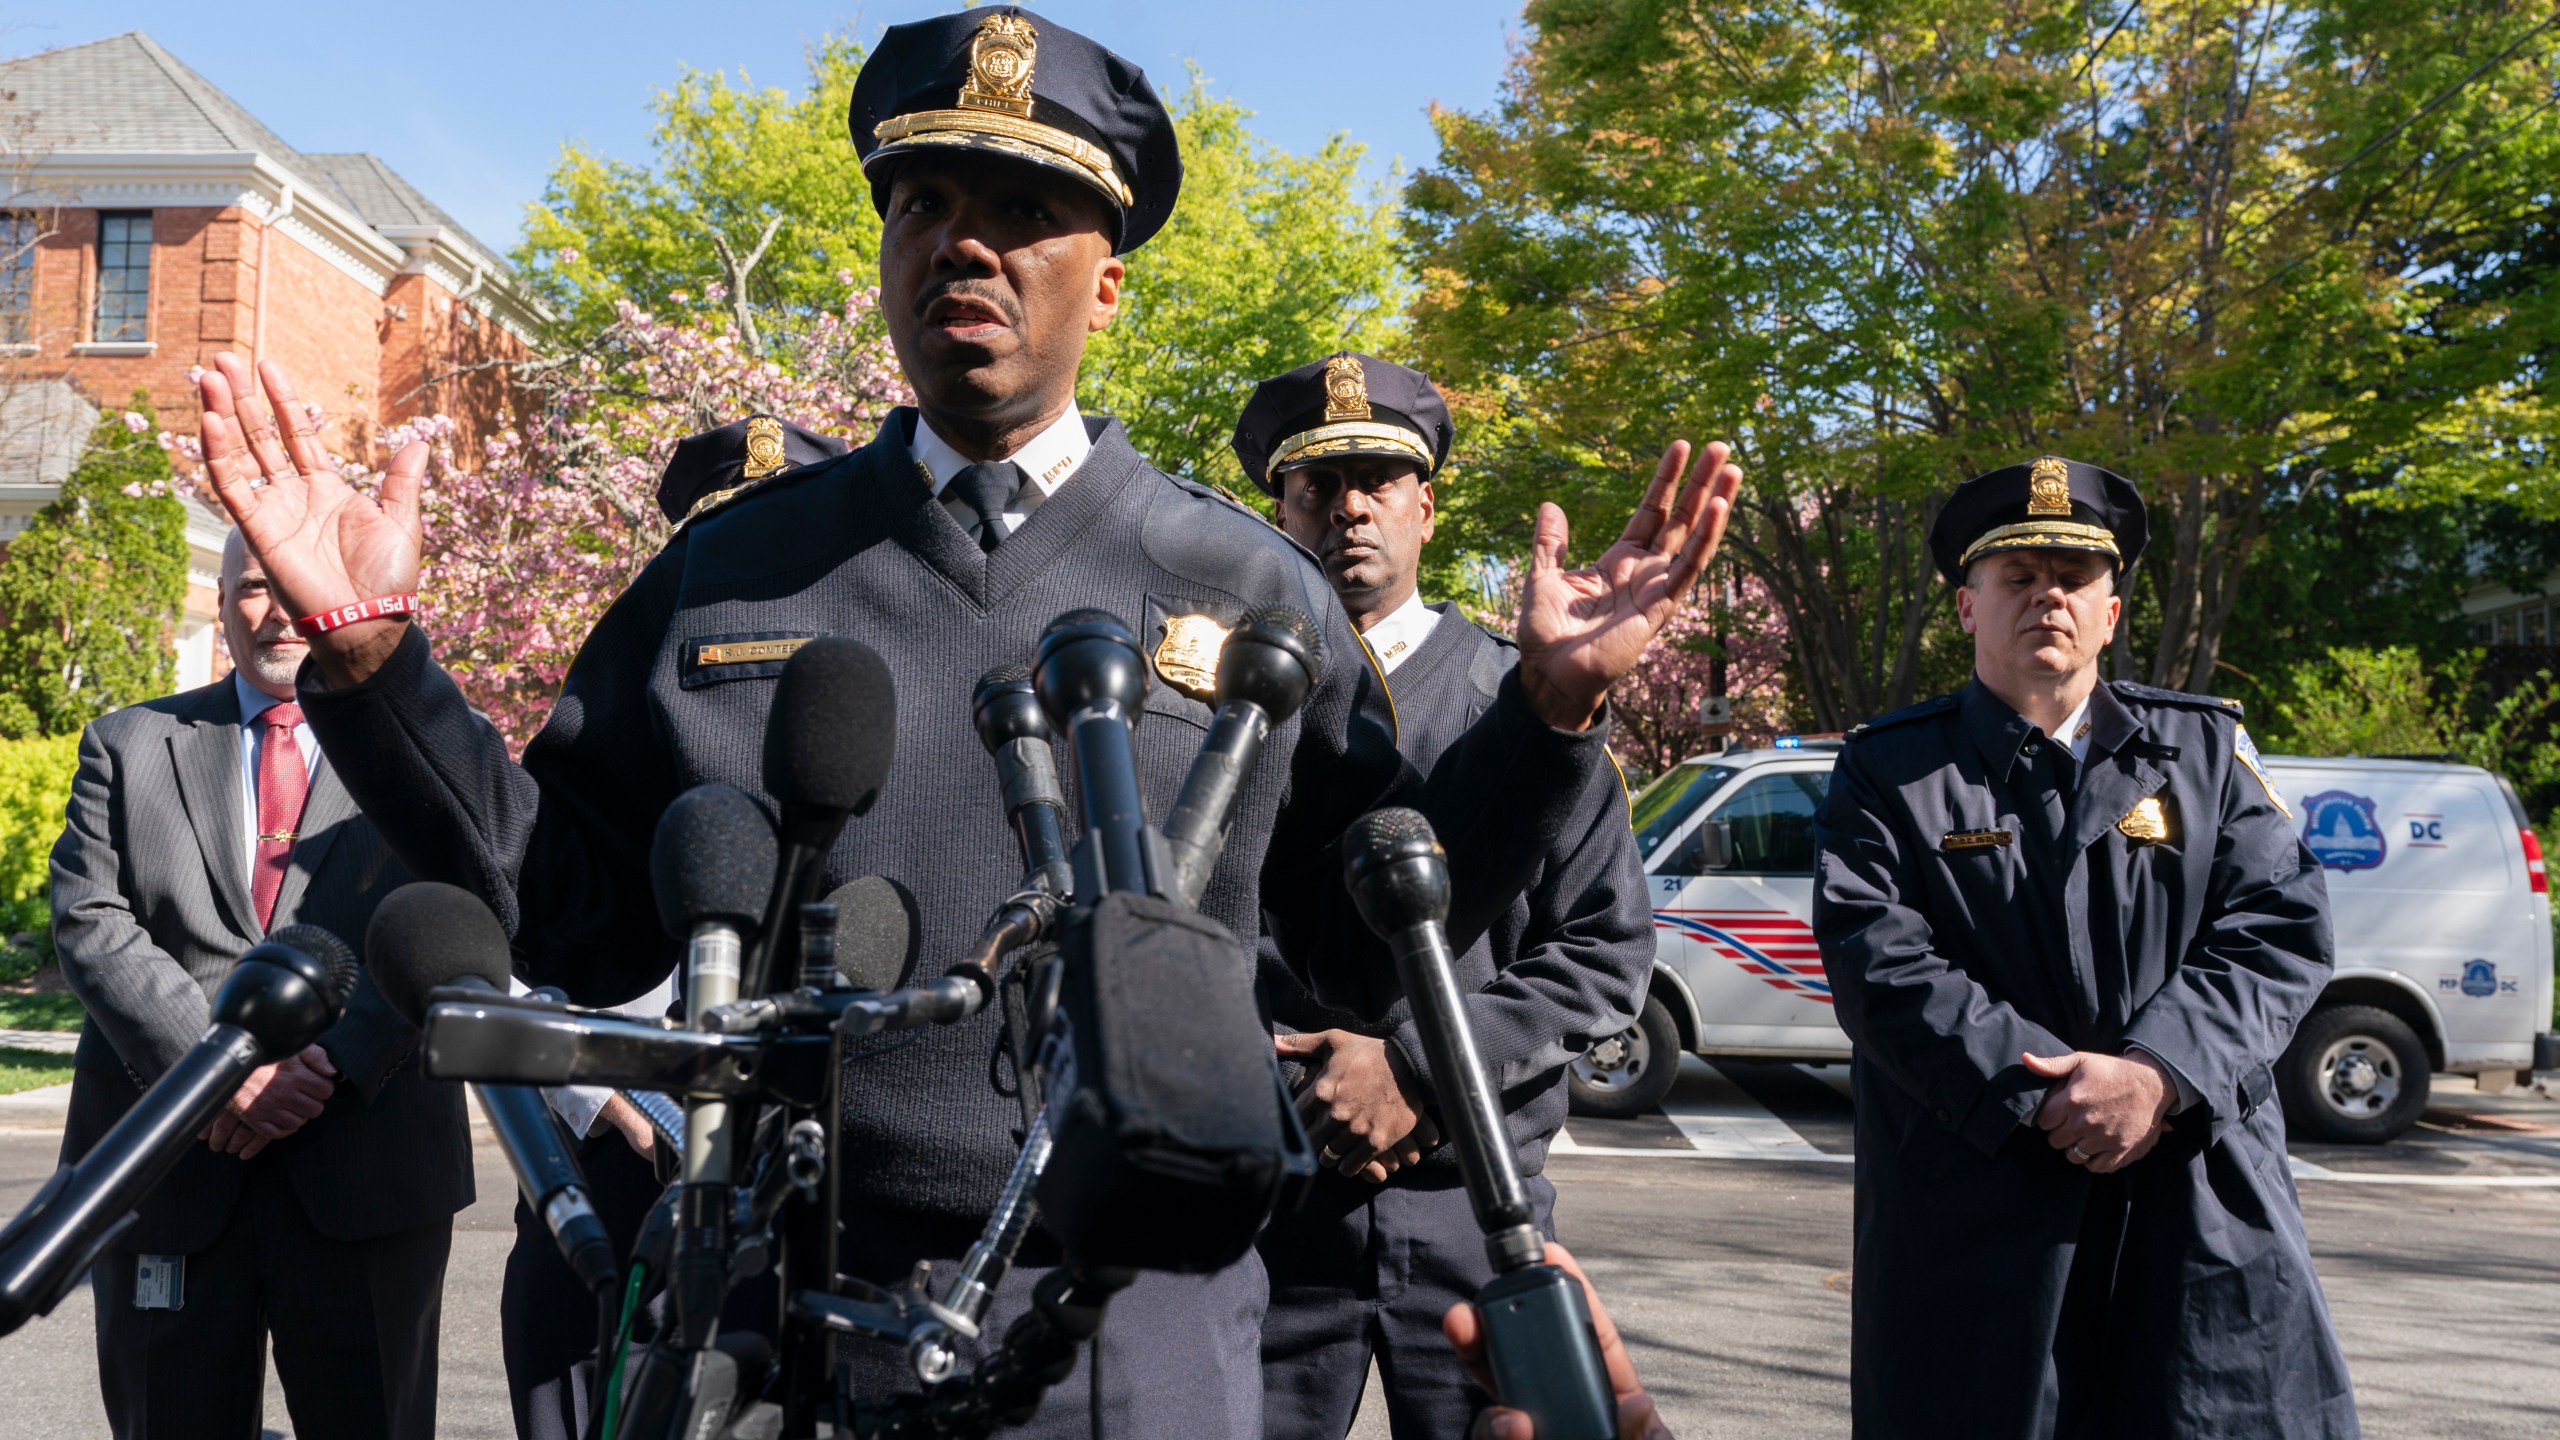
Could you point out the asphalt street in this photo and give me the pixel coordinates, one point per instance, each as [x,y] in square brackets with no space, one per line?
[1718,1232]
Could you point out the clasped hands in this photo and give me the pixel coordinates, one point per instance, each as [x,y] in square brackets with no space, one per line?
[1362,1108]
[273,1102]
[2103,1112]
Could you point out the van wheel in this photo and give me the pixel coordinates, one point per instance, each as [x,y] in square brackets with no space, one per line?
[1628,1073]
[2354,1075]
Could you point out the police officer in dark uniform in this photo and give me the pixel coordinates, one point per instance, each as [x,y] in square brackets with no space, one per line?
[2070,927]
[546,1317]
[1013,161]
[1367,1268]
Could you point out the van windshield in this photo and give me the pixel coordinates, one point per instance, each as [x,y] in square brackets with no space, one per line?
[1672,799]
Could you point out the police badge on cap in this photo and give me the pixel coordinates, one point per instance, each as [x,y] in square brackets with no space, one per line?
[716,465]
[1345,404]
[1003,81]
[2049,504]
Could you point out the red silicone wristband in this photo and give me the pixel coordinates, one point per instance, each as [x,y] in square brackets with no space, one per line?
[373,609]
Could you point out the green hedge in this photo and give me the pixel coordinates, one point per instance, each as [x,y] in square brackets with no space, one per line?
[35,786]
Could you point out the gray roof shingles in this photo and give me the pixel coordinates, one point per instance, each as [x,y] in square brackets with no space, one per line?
[125,93]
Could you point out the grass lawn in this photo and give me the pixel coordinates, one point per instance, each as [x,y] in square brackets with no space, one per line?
[28,1069]
[55,1010]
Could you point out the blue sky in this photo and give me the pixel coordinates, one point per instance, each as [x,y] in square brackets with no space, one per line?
[472,100]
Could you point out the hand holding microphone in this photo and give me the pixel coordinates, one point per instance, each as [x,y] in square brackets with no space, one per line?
[1540,1344]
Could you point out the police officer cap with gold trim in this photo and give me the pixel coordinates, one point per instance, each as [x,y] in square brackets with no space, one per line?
[1344,404]
[1003,81]
[709,467]
[2049,504]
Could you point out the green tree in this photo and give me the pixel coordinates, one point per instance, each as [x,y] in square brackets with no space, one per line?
[90,590]
[735,172]
[2390,702]
[1271,260]
[2226,247]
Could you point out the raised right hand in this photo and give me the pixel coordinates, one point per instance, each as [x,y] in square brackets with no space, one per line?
[323,543]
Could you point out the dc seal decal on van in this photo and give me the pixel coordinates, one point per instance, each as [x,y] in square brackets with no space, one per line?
[2479,980]
[1771,946]
[2341,829]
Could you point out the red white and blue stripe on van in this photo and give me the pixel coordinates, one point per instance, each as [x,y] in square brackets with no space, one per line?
[1771,946]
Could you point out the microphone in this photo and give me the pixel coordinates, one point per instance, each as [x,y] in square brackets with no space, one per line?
[1091,679]
[1544,1355]
[1016,732]
[1265,672]
[428,935]
[875,933]
[711,867]
[827,747]
[281,996]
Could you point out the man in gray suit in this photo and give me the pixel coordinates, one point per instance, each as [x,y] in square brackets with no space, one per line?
[320,1208]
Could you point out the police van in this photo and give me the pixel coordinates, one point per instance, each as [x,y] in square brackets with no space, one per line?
[2437,892]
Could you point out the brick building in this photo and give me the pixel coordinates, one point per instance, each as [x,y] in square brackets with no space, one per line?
[147,221]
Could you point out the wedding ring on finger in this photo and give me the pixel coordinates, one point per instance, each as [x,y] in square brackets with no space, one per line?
[1330,1156]
[2080,1156]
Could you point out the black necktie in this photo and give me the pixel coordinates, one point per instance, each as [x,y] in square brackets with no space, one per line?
[2055,779]
[987,488]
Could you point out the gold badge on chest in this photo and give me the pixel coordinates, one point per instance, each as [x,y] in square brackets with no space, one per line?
[2147,823]
[1187,657]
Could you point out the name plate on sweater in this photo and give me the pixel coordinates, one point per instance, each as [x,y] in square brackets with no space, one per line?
[1975,840]
[710,659]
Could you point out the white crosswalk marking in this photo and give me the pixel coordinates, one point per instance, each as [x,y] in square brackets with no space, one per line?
[1723,1123]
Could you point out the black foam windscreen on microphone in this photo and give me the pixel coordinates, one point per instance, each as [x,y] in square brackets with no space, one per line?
[711,860]
[1274,658]
[833,728]
[336,960]
[875,933]
[1379,862]
[428,934]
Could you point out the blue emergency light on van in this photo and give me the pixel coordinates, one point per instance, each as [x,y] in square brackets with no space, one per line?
[1789,742]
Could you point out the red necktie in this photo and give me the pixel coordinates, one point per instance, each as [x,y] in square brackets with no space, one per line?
[282,783]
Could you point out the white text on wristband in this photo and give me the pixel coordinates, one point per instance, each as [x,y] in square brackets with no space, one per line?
[373,609]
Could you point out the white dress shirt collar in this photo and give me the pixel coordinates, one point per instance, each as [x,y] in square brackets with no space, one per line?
[1049,457]
[2075,728]
[1399,633]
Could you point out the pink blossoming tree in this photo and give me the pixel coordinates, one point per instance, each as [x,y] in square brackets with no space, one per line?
[527,546]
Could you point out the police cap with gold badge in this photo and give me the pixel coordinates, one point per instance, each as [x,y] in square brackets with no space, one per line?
[716,464]
[2047,504]
[1344,404]
[1003,81]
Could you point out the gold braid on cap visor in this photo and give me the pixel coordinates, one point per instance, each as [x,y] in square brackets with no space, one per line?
[1007,135]
[1370,437]
[2043,535]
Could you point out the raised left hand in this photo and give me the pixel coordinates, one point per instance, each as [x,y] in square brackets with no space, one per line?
[2103,1111]
[1581,630]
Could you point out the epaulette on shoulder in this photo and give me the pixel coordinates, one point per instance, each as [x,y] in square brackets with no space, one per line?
[2154,695]
[719,500]
[1904,716]
[1210,490]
